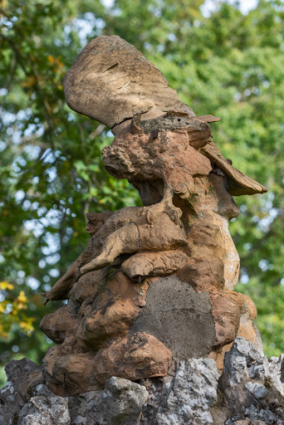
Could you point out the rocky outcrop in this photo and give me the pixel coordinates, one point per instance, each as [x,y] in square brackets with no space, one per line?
[252,385]
[191,394]
[21,375]
[250,391]
[121,402]
[40,410]
[155,285]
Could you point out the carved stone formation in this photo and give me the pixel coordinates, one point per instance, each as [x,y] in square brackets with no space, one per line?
[155,284]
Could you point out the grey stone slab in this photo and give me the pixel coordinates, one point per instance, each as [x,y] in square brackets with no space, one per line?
[179,317]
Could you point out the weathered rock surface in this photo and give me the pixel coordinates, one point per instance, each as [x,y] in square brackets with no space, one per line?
[133,357]
[121,402]
[191,394]
[21,375]
[83,407]
[124,317]
[154,228]
[253,386]
[59,325]
[155,284]
[177,315]
[145,264]
[111,80]
[250,391]
[108,307]
[40,410]
[174,156]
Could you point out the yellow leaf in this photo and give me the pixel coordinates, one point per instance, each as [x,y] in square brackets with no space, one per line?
[30,82]
[22,298]
[22,306]
[27,327]
[50,59]
[6,285]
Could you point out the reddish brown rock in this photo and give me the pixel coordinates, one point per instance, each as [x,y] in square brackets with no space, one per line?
[110,81]
[204,275]
[96,220]
[173,154]
[154,282]
[113,312]
[239,183]
[133,357]
[86,285]
[72,374]
[145,264]
[156,228]
[66,282]
[136,155]
[245,328]
[226,315]
[59,325]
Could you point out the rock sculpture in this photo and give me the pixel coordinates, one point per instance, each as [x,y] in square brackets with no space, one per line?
[155,284]
[250,391]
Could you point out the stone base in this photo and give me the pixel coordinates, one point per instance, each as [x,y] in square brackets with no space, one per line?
[250,391]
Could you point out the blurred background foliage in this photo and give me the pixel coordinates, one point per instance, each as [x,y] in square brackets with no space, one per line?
[221,62]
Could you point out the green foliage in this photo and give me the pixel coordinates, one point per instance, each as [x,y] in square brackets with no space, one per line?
[51,172]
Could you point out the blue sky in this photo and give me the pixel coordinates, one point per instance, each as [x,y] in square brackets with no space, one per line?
[210,5]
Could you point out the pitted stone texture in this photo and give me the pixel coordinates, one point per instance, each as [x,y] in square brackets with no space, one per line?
[265,417]
[177,316]
[82,407]
[10,403]
[20,375]
[252,385]
[121,403]
[157,389]
[191,394]
[45,411]
[251,393]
